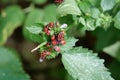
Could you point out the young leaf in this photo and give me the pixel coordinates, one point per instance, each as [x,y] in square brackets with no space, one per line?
[82,64]
[35,29]
[117,20]
[113,50]
[10,18]
[10,66]
[35,16]
[107,4]
[68,7]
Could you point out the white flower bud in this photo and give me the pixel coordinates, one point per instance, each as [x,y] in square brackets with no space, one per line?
[41,60]
[64,26]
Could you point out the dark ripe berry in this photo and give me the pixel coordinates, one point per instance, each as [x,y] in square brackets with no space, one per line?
[57,49]
[51,24]
[53,37]
[54,42]
[63,42]
[60,36]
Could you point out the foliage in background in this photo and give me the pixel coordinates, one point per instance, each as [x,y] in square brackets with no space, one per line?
[10,65]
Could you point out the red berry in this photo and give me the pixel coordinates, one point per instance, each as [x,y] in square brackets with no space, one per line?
[51,24]
[45,29]
[54,42]
[58,1]
[50,49]
[63,42]
[48,53]
[43,55]
[57,48]
[48,32]
[53,37]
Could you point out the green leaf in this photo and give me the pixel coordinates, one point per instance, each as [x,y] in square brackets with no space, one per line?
[105,38]
[90,24]
[68,7]
[50,13]
[82,64]
[68,77]
[115,69]
[94,2]
[107,4]
[113,50]
[88,9]
[10,18]
[35,29]
[76,30]
[35,16]
[70,42]
[10,66]
[117,20]
[85,6]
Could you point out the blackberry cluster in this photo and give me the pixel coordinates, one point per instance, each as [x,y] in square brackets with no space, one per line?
[55,35]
